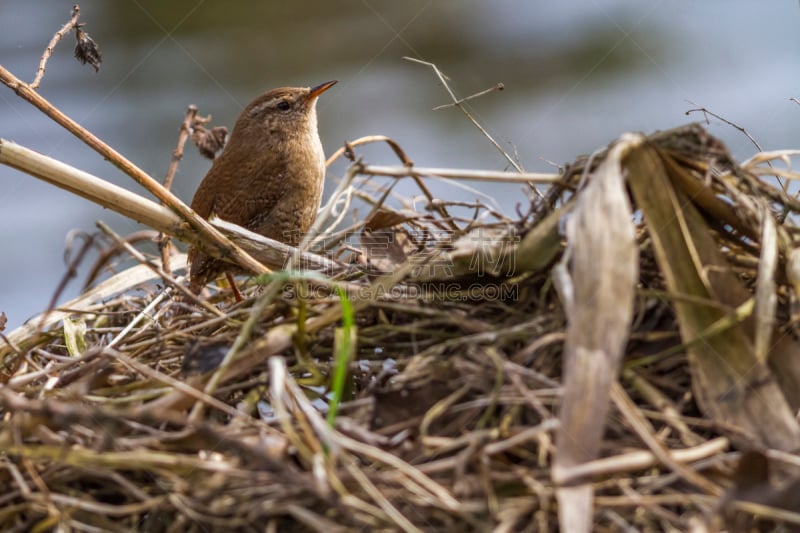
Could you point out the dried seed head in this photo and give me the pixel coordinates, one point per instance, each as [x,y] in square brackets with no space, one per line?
[209,141]
[87,51]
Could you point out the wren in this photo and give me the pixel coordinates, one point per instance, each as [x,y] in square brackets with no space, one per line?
[268,177]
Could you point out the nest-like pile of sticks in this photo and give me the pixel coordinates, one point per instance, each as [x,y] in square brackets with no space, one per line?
[623,354]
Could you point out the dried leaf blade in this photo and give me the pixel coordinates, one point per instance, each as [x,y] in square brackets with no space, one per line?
[730,384]
[600,282]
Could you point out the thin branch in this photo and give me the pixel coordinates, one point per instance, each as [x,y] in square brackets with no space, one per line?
[165,249]
[177,154]
[458,174]
[706,112]
[66,28]
[497,87]
[72,271]
[164,244]
[348,149]
[459,103]
[107,254]
[167,277]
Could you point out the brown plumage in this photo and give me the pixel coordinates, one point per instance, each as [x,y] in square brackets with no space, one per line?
[269,176]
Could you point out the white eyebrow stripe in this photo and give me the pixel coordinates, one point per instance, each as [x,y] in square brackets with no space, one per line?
[259,108]
[271,103]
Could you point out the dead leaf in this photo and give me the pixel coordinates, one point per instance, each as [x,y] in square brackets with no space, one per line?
[730,384]
[86,49]
[385,243]
[596,280]
[209,141]
[384,218]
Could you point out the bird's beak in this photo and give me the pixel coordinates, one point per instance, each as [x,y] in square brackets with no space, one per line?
[319,89]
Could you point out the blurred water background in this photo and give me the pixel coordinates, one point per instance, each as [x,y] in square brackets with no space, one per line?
[577,74]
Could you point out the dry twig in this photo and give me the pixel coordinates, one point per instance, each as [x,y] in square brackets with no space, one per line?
[66,28]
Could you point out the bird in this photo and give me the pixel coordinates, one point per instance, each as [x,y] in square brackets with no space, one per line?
[268,178]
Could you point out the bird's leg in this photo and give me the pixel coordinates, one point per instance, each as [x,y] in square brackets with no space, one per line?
[232,282]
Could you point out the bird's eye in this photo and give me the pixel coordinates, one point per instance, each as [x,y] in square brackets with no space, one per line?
[283,105]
